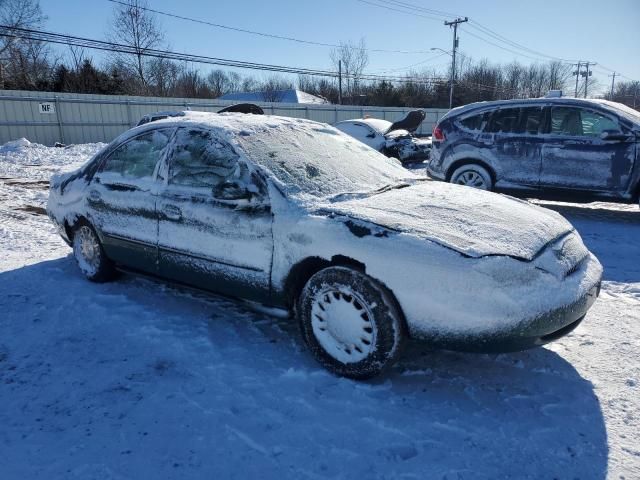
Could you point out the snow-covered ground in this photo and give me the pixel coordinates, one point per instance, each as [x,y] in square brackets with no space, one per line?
[136,379]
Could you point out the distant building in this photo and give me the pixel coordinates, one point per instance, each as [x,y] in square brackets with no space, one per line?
[280,96]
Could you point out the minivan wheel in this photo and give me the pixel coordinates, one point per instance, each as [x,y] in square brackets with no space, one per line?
[472,175]
[350,322]
[90,256]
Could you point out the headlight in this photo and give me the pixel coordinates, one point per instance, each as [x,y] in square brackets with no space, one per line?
[563,257]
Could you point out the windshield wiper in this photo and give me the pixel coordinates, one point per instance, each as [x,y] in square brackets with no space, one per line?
[370,193]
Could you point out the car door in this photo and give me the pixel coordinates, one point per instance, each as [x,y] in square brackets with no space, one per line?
[517,145]
[215,222]
[575,156]
[122,199]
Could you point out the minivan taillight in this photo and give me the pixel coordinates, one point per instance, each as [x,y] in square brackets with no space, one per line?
[438,134]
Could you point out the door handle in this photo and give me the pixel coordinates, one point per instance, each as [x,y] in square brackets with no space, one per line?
[172,212]
[94,195]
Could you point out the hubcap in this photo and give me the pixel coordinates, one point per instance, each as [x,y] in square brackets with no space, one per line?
[87,250]
[471,179]
[343,324]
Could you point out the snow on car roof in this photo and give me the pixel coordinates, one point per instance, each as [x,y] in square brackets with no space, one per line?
[614,107]
[379,125]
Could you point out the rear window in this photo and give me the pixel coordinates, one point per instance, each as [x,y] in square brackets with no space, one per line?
[475,123]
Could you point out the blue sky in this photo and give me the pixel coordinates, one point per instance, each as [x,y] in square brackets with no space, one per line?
[604,32]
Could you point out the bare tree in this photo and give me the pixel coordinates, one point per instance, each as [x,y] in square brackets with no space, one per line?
[354,58]
[218,82]
[135,27]
[163,75]
[273,89]
[77,55]
[17,14]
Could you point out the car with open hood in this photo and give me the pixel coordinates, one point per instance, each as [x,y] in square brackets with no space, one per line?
[397,140]
[296,215]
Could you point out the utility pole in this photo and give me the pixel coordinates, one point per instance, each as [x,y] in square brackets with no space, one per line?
[454,23]
[339,82]
[586,74]
[613,82]
[576,72]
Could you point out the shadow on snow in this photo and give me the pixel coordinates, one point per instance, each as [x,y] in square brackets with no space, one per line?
[198,385]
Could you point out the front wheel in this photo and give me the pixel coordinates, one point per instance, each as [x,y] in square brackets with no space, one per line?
[472,175]
[90,255]
[350,322]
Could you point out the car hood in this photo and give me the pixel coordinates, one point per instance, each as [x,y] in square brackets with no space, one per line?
[410,123]
[473,222]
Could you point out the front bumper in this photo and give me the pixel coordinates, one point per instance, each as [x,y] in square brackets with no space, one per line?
[535,332]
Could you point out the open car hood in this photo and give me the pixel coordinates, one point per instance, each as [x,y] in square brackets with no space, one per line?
[410,123]
[473,222]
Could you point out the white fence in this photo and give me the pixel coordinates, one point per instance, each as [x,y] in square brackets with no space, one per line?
[46,117]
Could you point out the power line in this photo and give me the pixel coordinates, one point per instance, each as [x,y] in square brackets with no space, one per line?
[62,39]
[264,34]
[408,8]
[407,67]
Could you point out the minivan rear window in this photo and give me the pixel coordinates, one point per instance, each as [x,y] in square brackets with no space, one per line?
[475,122]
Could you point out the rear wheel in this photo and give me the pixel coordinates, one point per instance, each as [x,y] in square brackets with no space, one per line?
[472,175]
[350,322]
[90,255]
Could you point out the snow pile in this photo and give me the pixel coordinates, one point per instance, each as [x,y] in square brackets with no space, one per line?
[18,157]
[15,145]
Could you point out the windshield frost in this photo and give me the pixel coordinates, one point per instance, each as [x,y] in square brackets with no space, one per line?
[313,160]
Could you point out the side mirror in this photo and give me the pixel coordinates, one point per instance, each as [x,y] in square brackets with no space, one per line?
[615,136]
[371,135]
[231,190]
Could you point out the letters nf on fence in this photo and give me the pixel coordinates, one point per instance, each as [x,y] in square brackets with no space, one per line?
[47,108]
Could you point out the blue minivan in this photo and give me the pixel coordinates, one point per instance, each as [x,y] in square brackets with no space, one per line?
[568,147]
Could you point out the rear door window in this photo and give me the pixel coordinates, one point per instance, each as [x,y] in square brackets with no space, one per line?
[504,120]
[200,159]
[138,157]
[531,119]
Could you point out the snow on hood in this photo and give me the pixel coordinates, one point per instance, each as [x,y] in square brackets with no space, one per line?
[473,222]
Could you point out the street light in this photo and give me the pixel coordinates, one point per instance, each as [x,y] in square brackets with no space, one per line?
[443,51]
[453,59]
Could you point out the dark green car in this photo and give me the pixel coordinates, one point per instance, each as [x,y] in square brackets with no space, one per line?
[297,215]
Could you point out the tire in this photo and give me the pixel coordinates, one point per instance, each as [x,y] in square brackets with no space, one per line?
[472,175]
[350,322]
[89,254]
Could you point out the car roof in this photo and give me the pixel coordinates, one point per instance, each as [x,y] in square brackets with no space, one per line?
[378,124]
[613,107]
[229,123]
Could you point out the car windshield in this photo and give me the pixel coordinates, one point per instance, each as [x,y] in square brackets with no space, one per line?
[314,161]
[625,111]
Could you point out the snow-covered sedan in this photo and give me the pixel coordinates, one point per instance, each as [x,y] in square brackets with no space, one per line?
[396,140]
[296,215]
